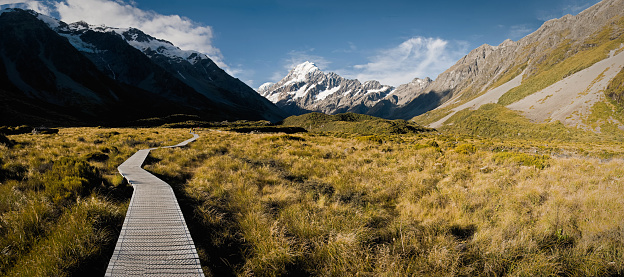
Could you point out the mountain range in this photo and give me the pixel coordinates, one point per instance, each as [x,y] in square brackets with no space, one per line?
[557,73]
[570,70]
[78,74]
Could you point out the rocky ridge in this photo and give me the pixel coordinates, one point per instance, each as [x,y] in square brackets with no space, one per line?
[555,41]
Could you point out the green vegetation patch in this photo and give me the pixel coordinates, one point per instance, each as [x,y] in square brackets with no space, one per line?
[68,179]
[615,89]
[508,76]
[606,117]
[538,161]
[353,123]
[433,115]
[466,149]
[494,120]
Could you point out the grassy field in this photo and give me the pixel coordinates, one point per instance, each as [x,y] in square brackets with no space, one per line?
[319,204]
[313,204]
[62,201]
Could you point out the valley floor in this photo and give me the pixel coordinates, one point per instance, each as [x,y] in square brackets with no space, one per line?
[322,204]
[310,204]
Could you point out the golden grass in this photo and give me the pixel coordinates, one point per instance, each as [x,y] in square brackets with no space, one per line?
[306,204]
[62,201]
[310,204]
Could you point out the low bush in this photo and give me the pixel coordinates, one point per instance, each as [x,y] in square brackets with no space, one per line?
[466,149]
[537,161]
[285,137]
[96,157]
[6,141]
[353,124]
[615,89]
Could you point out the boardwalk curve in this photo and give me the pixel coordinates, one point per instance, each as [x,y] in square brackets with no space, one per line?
[154,239]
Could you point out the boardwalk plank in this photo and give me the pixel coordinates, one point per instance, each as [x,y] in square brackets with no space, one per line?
[154,239]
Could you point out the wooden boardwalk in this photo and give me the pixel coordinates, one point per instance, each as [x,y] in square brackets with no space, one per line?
[154,239]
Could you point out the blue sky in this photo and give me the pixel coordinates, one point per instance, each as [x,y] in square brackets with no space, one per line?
[259,41]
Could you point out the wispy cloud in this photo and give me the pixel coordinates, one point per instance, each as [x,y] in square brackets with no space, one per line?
[352,48]
[416,57]
[296,57]
[181,31]
[572,7]
[519,31]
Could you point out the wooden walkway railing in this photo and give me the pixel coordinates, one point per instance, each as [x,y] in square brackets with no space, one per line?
[154,239]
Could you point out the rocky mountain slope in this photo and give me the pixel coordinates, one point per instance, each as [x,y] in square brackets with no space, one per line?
[308,89]
[503,74]
[547,75]
[58,73]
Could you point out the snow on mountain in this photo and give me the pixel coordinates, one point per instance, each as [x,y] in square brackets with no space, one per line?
[299,73]
[264,87]
[306,88]
[135,37]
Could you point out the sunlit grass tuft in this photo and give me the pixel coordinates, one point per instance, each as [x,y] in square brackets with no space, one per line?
[62,200]
[272,205]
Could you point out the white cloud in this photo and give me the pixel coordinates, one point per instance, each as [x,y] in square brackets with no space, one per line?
[180,31]
[43,7]
[415,57]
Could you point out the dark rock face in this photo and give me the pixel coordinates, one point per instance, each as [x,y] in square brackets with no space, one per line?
[78,74]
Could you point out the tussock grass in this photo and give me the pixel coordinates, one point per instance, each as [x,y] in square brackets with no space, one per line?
[274,205]
[62,202]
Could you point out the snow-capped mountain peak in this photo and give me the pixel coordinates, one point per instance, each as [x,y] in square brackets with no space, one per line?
[304,69]
[300,73]
[307,88]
